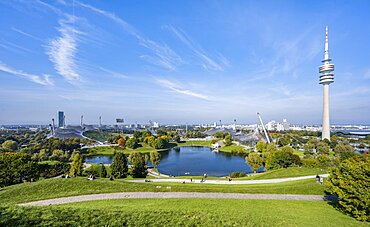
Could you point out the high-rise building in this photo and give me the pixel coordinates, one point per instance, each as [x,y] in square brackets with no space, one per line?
[60,119]
[326,78]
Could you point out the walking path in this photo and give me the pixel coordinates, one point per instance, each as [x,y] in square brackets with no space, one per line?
[267,181]
[171,195]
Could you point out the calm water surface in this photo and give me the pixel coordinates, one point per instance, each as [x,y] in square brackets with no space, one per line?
[194,161]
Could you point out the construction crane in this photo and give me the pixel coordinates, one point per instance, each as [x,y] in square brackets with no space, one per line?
[264,129]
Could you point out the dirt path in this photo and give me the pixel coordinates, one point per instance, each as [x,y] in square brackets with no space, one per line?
[169,195]
[267,181]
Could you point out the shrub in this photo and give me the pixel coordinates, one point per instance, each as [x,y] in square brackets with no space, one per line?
[15,167]
[350,182]
[310,163]
[132,143]
[48,170]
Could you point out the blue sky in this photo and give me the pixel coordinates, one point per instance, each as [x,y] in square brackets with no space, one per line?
[182,61]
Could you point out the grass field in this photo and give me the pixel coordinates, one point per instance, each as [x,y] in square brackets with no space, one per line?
[283,173]
[58,187]
[232,148]
[195,143]
[110,150]
[180,212]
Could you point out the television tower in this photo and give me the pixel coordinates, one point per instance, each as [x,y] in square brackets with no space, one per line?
[326,78]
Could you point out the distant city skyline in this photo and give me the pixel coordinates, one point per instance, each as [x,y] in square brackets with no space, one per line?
[182,61]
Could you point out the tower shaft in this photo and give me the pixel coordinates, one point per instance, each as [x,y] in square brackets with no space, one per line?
[325,114]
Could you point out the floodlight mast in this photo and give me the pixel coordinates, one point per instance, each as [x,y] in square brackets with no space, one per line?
[264,129]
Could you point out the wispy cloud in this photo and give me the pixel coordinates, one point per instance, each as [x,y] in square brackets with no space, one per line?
[62,50]
[26,34]
[162,56]
[115,74]
[207,62]
[179,89]
[43,80]
[13,47]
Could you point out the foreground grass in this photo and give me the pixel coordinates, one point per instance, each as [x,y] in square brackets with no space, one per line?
[179,212]
[283,173]
[59,187]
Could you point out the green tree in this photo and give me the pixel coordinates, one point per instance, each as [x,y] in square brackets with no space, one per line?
[138,163]
[76,165]
[155,158]
[342,147]
[119,166]
[308,149]
[10,145]
[103,171]
[350,182]
[261,146]
[132,143]
[322,148]
[15,167]
[254,160]
[228,140]
[279,159]
[219,135]
[283,141]
[271,147]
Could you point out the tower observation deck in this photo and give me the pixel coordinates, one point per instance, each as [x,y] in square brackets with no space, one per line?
[326,78]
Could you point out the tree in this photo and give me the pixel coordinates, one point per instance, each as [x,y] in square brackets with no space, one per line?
[219,135]
[341,147]
[228,140]
[76,165]
[271,147]
[119,166]
[254,160]
[121,142]
[15,167]
[350,182]
[103,171]
[155,158]
[138,163]
[308,149]
[261,146]
[287,149]
[283,141]
[10,145]
[322,148]
[132,143]
[279,159]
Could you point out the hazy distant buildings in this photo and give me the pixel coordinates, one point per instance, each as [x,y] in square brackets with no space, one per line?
[326,78]
[277,126]
[61,119]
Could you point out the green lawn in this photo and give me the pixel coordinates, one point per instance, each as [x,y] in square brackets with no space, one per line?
[195,143]
[283,173]
[180,212]
[232,148]
[99,135]
[58,187]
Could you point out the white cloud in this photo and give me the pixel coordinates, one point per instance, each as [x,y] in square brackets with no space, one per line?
[207,62]
[178,89]
[43,80]
[163,56]
[62,50]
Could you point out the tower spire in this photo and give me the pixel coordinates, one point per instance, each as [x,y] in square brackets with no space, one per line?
[326,54]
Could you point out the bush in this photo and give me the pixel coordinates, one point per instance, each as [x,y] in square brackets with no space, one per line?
[16,167]
[350,182]
[310,163]
[48,170]
[237,174]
